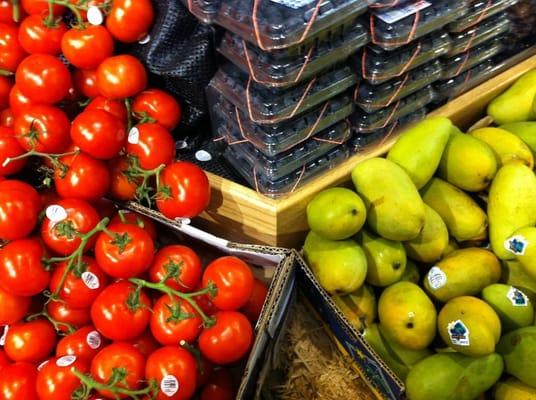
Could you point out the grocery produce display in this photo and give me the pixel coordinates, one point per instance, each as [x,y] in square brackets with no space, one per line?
[431,255]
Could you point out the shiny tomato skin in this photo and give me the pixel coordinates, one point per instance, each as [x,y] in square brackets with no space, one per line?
[234,282]
[10,147]
[122,186]
[154,146]
[99,134]
[115,107]
[256,301]
[112,316]
[84,343]
[130,20]
[133,218]
[85,82]
[7,118]
[187,190]
[119,355]
[17,382]
[219,386]
[6,12]
[169,329]
[4,360]
[158,105]
[67,316]
[176,362]
[18,101]
[182,257]
[56,379]
[19,209]
[121,76]
[228,340]
[30,341]
[12,308]
[22,272]
[40,7]
[43,78]
[79,291]
[35,37]
[87,47]
[11,52]
[5,89]
[145,343]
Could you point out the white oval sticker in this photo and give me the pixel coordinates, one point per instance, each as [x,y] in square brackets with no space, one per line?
[65,361]
[4,335]
[93,340]
[94,15]
[56,213]
[134,136]
[203,155]
[169,385]
[91,280]
[436,278]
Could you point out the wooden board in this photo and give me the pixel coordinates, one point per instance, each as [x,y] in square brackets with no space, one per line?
[243,215]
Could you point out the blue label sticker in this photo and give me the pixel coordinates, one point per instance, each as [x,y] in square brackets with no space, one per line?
[517,297]
[516,245]
[458,333]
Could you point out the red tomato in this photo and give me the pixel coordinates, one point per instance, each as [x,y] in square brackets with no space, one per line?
[174,369]
[219,386]
[114,315]
[43,128]
[68,317]
[19,208]
[204,301]
[120,77]
[115,107]
[18,101]
[152,144]
[30,341]
[6,11]
[184,191]
[22,272]
[228,340]
[7,118]
[86,178]
[10,147]
[11,52]
[4,360]
[145,344]
[158,105]
[123,186]
[130,20]
[13,308]
[234,282]
[98,133]
[119,356]
[126,254]
[56,379]
[87,47]
[36,37]
[17,382]
[79,291]
[5,89]
[204,371]
[129,217]
[85,82]
[40,7]
[182,258]
[105,208]
[43,78]
[174,320]
[85,343]
[256,301]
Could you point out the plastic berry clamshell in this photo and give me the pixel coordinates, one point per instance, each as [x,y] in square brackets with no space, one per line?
[478,12]
[204,10]
[411,20]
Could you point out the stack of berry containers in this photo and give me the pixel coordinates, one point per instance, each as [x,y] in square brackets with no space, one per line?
[400,65]
[282,101]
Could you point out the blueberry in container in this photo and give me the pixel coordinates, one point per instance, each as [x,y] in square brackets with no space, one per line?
[478,12]
[371,98]
[287,67]
[363,122]
[276,24]
[378,66]
[462,62]
[267,105]
[384,4]
[448,89]
[272,140]
[204,10]
[401,25]
[490,28]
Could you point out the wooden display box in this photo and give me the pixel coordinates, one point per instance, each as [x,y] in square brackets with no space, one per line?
[241,214]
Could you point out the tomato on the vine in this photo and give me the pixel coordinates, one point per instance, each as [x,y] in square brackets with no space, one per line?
[84,343]
[115,107]
[5,89]
[10,147]
[41,6]
[6,12]
[56,380]
[86,47]
[68,317]
[85,82]
[159,106]
[133,218]
[253,307]
[121,76]
[11,52]
[204,371]
[181,258]
[219,386]
[7,118]
[145,343]
[123,186]
[17,382]
[4,360]
[152,144]
[30,341]
[36,35]
[20,205]
[130,20]
[174,320]
[12,308]
[18,101]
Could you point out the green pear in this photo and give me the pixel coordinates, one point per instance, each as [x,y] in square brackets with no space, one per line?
[506,146]
[339,266]
[358,307]
[465,220]
[513,307]
[518,349]
[432,241]
[511,205]
[411,273]
[386,259]
[468,163]
[336,213]
[418,150]
[516,103]
[526,131]
[395,210]
[522,244]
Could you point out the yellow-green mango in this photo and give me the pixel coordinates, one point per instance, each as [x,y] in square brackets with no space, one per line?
[407,356]
[511,205]
[411,273]
[395,210]
[464,272]
[377,342]
[469,325]
[453,376]
[518,349]
[336,213]
[432,241]
[451,247]
[526,131]
[513,389]
[468,163]
[358,307]
[522,244]
[386,259]
[339,266]
[465,220]
[407,315]
[516,103]
[514,274]
[419,148]
[513,307]
[506,146]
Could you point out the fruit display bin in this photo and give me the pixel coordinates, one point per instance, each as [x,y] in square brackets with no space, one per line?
[241,214]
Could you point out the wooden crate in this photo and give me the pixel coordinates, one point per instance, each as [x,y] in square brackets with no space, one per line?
[242,215]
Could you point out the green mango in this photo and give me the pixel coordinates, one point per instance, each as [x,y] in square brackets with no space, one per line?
[516,103]
[418,150]
[514,274]
[513,307]
[339,266]
[411,273]
[522,244]
[407,356]
[511,205]
[336,213]
[526,131]
[395,210]
[451,247]
[518,349]
[453,376]
[465,220]
[506,146]
[377,342]
[513,389]
[358,307]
